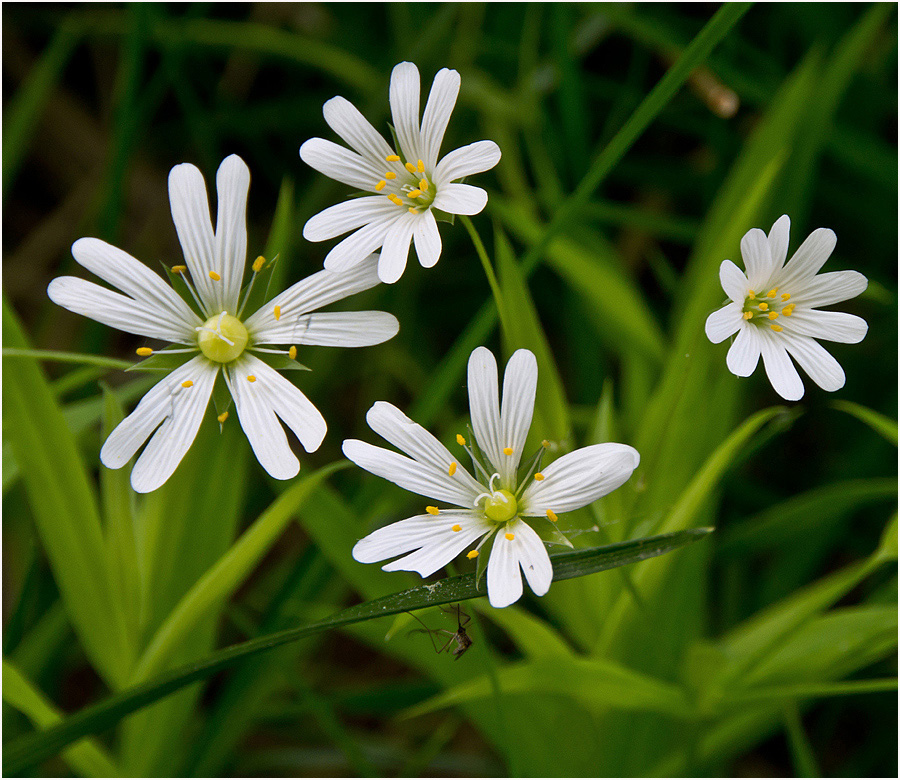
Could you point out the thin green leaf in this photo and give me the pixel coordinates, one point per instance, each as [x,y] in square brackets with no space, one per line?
[878,422]
[67,357]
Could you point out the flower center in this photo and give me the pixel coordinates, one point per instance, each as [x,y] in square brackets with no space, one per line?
[500,506]
[765,309]
[407,185]
[222,338]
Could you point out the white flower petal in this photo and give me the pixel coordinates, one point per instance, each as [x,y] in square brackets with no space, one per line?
[407,473]
[404,100]
[724,323]
[332,329]
[579,478]
[441,100]
[817,362]
[232,187]
[808,259]
[779,236]
[781,372]
[484,404]
[427,239]
[734,283]
[517,409]
[743,355]
[757,258]
[466,161]
[116,310]
[359,245]
[828,288]
[531,554]
[354,129]
[828,325]
[307,295]
[134,278]
[395,250]
[410,437]
[340,164]
[190,213]
[460,199]
[349,215]
[504,580]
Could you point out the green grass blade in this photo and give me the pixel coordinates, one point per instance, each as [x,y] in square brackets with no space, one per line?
[33,749]
[805,764]
[67,357]
[817,690]
[880,423]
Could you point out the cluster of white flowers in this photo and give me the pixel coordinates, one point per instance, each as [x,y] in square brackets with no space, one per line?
[503,502]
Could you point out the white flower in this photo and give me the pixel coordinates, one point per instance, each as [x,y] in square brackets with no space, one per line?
[409,183]
[495,502]
[774,310]
[170,414]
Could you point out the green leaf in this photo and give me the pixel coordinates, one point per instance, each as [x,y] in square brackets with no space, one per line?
[878,422]
[32,749]
[67,357]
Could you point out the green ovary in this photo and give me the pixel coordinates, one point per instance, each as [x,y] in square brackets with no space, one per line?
[223,338]
[501,506]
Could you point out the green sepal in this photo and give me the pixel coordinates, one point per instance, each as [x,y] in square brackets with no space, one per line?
[163,361]
[550,533]
[396,143]
[533,467]
[281,362]
[478,457]
[443,216]
[180,286]
[221,396]
[259,292]
[484,553]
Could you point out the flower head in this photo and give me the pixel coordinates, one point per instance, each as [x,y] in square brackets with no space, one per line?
[501,501]
[221,340]
[408,183]
[774,310]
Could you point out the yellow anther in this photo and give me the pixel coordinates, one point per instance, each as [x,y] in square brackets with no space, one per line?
[507,450]
[452,470]
[772,293]
[785,296]
[413,210]
[748,315]
[551,516]
[788,310]
[432,510]
[751,295]
[763,306]
[776,328]
[381,185]
[423,185]
[144,351]
[460,440]
[421,167]
[394,199]
[510,536]
[390,175]
[393,158]
[251,378]
[539,477]
[472,554]
[258,264]
[415,193]
[214,276]
[187,383]
[277,312]
[456,528]
[222,417]
[410,167]
[179,269]
[292,353]
[773,315]
[545,444]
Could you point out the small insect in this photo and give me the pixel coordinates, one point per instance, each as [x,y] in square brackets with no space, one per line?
[460,637]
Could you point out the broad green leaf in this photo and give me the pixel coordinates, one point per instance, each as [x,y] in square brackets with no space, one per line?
[33,749]
[878,422]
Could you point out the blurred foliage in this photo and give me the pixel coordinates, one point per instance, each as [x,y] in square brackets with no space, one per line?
[769,648]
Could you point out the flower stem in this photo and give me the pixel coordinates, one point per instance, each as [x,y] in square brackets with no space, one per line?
[488,269]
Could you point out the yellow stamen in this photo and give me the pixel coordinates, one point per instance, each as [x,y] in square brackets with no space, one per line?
[423,185]
[292,353]
[510,536]
[773,315]
[785,296]
[421,167]
[551,516]
[764,306]
[545,444]
[381,185]
[432,510]
[748,315]
[413,210]
[251,378]
[751,295]
[258,264]
[410,167]
[772,293]
[179,269]
[144,351]
[214,276]
[415,193]
[460,440]
[507,450]
[539,477]
[222,417]
[277,312]
[187,383]
[394,199]
[472,554]
[393,158]
[452,470]
[776,328]
[788,310]
[456,528]
[390,175]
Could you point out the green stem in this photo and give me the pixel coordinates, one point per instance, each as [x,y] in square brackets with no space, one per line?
[488,269]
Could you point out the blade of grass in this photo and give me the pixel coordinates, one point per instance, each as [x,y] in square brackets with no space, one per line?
[881,424]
